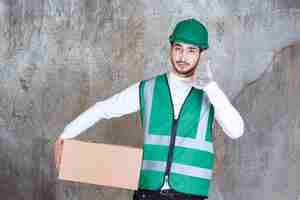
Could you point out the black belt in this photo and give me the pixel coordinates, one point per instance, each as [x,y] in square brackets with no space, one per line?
[170,193]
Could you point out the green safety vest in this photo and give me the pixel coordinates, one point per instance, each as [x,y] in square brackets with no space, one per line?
[181,149]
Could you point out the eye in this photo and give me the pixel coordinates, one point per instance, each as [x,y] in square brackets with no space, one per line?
[192,51]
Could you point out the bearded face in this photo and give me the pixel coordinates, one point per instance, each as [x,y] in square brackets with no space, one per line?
[184,58]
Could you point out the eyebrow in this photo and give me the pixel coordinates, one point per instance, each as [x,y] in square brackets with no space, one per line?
[177,44]
[191,47]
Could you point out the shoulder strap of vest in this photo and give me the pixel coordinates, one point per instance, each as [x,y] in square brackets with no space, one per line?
[142,94]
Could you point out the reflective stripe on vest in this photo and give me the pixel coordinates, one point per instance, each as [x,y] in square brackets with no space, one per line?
[178,168]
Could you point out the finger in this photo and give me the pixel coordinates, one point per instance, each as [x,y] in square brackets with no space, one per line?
[56,149]
[55,152]
[208,67]
[58,152]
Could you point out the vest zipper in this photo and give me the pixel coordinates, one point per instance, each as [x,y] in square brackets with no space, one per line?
[173,134]
[171,147]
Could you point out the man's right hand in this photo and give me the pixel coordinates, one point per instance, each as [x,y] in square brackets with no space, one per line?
[203,75]
[58,147]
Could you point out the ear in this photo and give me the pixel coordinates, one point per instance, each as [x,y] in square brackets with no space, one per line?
[170,50]
[170,54]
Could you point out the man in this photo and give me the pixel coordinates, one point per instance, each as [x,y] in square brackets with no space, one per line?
[177,114]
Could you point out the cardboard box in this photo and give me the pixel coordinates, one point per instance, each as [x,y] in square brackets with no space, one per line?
[101,164]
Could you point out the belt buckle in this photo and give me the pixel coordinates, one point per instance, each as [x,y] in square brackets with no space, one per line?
[163,192]
[166,192]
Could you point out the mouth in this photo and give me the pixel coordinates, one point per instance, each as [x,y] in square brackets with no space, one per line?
[182,63]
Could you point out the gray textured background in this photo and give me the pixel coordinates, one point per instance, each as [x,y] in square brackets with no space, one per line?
[58,57]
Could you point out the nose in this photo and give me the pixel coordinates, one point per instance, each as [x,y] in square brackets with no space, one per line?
[182,55]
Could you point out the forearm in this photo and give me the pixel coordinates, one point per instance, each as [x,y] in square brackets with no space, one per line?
[84,121]
[227,116]
[120,104]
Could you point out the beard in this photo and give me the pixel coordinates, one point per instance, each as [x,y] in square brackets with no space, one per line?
[185,73]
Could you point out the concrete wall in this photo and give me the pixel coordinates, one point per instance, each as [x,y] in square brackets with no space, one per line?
[264,164]
[59,57]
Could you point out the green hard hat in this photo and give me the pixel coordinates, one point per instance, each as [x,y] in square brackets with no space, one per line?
[190,31]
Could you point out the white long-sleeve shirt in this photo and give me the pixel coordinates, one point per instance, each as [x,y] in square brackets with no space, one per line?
[127,101]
